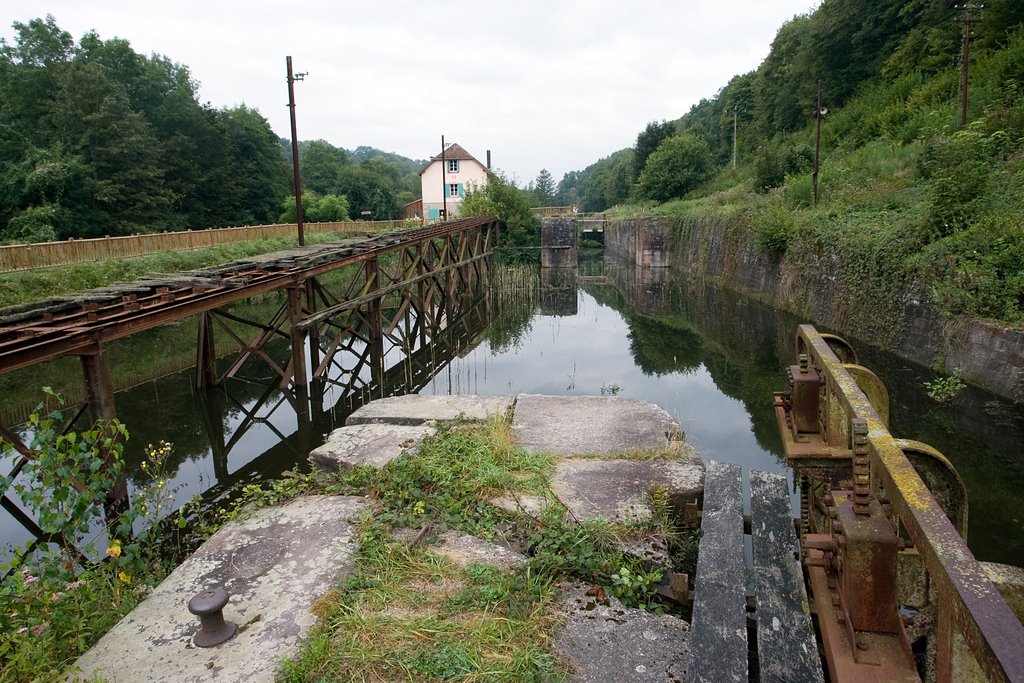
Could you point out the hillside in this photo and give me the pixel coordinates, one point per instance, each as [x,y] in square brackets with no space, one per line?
[909,198]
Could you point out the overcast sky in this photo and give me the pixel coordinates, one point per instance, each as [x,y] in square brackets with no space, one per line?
[556,84]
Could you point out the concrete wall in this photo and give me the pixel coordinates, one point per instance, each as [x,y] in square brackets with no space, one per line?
[645,241]
[813,286]
[558,242]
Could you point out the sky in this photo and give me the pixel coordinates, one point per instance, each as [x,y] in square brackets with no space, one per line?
[556,85]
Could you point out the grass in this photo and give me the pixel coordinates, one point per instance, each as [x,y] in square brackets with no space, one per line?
[35,285]
[409,613]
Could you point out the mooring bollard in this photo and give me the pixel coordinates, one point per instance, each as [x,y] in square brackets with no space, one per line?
[209,606]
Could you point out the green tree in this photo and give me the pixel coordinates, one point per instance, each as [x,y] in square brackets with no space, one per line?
[500,197]
[568,193]
[647,141]
[544,188]
[322,165]
[332,207]
[678,165]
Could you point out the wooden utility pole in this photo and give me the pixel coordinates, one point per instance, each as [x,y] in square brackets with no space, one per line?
[734,138]
[295,149]
[966,19]
[444,182]
[819,114]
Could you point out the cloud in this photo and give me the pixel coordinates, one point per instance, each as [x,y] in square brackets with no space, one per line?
[554,85]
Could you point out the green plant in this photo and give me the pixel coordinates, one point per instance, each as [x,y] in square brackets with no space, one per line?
[634,588]
[610,389]
[773,228]
[945,389]
[67,479]
[58,599]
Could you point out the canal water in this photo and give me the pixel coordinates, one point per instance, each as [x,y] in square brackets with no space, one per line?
[708,356]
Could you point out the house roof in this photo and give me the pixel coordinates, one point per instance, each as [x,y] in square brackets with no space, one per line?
[452,151]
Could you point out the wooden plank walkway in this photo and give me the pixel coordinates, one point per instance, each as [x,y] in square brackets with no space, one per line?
[786,648]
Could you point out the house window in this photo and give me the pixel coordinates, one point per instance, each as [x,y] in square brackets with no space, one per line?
[453,165]
[453,190]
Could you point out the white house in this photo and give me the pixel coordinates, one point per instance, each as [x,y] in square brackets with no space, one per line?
[460,174]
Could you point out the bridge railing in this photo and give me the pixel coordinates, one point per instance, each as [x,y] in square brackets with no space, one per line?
[827,420]
[16,257]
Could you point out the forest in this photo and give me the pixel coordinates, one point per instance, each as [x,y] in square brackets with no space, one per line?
[96,139]
[912,198]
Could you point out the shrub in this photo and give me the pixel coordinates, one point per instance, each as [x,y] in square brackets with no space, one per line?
[773,163]
[678,165]
[957,169]
[773,228]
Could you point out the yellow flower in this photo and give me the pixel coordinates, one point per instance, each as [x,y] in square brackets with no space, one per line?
[124,577]
[115,549]
[143,465]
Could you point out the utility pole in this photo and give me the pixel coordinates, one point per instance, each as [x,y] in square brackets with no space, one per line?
[295,149]
[734,138]
[966,19]
[444,183]
[819,114]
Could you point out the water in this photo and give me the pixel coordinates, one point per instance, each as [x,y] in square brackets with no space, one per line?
[711,358]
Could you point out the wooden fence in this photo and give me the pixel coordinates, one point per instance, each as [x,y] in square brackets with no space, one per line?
[48,254]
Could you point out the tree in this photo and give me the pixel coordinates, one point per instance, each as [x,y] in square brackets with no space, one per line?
[500,197]
[322,165]
[647,141]
[569,189]
[544,188]
[678,165]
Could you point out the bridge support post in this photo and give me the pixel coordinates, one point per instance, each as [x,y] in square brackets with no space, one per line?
[313,331]
[298,338]
[99,392]
[213,405]
[206,356]
[376,329]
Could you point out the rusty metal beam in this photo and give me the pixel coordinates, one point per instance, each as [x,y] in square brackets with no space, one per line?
[965,596]
[77,330]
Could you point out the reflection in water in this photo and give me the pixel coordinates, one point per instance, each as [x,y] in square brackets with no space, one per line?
[249,428]
[709,356]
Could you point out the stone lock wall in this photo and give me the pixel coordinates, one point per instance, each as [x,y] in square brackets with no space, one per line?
[811,285]
[559,245]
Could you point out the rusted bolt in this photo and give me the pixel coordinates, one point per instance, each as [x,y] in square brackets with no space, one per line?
[861,645]
[841,616]
[209,607]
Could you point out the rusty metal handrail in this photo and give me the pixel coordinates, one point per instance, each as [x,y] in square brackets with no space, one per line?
[967,599]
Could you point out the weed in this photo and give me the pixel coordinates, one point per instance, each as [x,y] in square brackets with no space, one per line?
[63,594]
[410,614]
[945,389]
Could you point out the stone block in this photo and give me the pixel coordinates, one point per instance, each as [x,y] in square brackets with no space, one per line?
[414,409]
[573,425]
[368,444]
[620,490]
[274,564]
[605,642]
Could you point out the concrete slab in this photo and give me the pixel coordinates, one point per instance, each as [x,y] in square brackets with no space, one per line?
[415,409]
[274,564]
[368,444]
[530,505]
[463,550]
[574,425]
[620,490]
[609,643]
